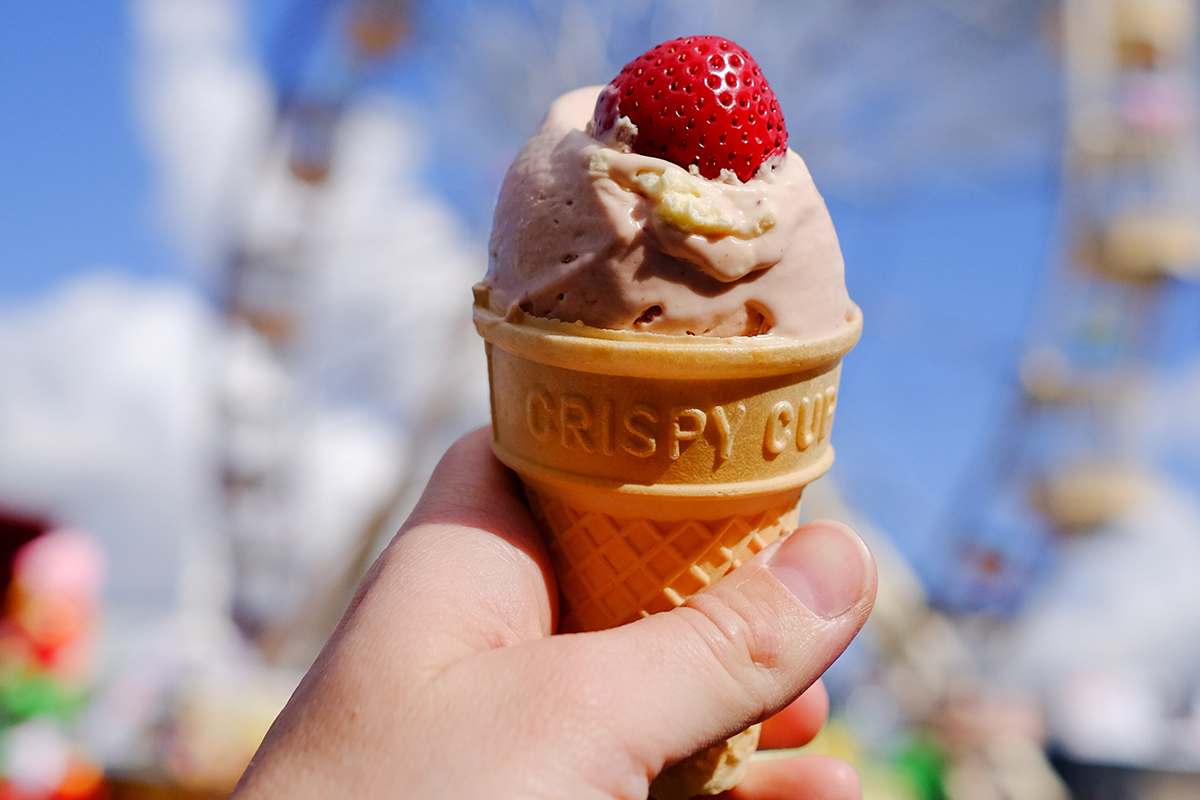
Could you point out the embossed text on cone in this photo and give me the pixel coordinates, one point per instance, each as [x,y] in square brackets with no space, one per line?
[656,464]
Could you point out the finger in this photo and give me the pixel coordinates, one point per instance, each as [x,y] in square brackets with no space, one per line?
[798,722]
[756,639]
[809,776]
[466,573]
[731,656]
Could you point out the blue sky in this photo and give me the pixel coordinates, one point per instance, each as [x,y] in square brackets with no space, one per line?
[76,185]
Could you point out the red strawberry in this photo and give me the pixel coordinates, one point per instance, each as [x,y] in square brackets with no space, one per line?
[698,100]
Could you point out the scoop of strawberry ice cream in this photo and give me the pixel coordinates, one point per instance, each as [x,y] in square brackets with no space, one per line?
[589,231]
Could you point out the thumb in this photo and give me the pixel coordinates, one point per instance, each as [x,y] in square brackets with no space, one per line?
[738,652]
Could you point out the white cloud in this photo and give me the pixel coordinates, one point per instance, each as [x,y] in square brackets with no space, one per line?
[106,419]
[206,110]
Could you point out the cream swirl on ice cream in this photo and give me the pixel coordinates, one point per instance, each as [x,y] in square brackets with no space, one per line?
[587,231]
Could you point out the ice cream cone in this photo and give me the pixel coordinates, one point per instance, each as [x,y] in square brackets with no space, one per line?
[656,464]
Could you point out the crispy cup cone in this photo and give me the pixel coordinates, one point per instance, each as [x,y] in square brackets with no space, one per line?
[656,464]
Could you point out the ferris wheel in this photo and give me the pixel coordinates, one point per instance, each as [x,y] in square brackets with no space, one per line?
[1062,463]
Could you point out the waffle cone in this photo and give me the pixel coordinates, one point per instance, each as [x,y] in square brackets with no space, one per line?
[656,464]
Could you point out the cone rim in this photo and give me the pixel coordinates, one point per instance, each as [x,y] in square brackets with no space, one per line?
[654,355]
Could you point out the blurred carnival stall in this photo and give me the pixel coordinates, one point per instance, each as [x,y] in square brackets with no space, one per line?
[1071,527]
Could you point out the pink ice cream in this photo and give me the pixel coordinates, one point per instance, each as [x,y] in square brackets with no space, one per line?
[587,231]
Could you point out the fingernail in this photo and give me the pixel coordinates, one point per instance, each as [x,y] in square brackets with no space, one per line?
[823,566]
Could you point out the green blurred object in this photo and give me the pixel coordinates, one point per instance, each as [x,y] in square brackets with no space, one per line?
[25,694]
[921,762]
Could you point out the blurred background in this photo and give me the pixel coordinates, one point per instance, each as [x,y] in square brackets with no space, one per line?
[237,240]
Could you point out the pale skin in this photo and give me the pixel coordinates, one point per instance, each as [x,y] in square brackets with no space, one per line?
[443,680]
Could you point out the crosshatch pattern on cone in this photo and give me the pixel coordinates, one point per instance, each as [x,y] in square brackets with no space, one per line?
[668,431]
[612,571]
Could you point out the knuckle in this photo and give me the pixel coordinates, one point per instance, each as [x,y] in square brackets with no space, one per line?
[746,639]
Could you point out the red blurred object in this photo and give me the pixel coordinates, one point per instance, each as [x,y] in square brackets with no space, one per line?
[16,529]
[83,781]
[50,605]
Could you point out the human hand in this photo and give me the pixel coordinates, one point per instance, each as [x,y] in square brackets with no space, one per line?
[443,681]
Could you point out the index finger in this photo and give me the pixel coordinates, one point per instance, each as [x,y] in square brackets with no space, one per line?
[798,722]
[466,573]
